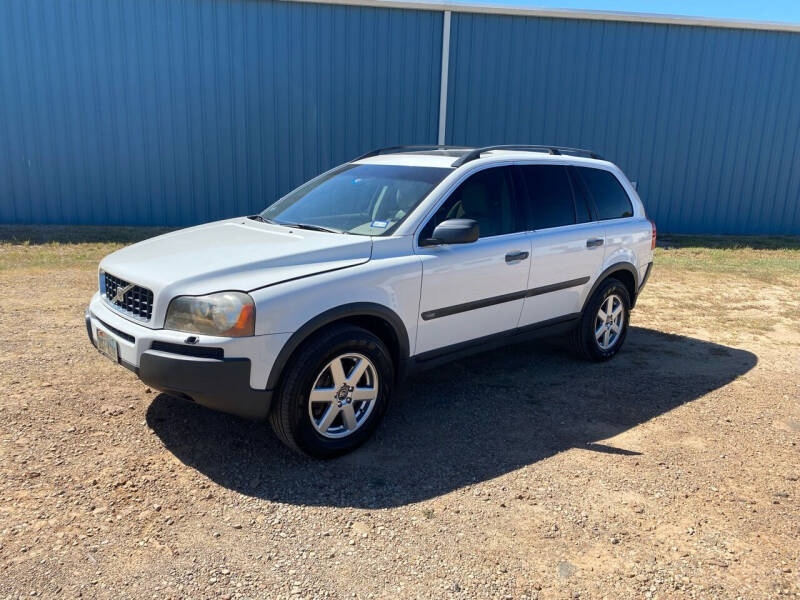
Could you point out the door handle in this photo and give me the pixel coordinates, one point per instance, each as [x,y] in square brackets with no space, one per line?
[594,242]
[515,256]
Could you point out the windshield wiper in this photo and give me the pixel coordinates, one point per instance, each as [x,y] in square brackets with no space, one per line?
[263,220]
[312,227]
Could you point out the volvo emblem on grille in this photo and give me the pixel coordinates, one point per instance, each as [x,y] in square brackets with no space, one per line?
[119,297]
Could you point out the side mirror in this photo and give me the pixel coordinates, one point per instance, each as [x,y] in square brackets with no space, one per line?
[455,231]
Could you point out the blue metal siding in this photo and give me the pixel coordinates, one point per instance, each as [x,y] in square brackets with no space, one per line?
[173,112]
[705,119]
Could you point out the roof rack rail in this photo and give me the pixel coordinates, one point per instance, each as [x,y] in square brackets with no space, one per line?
[476,153]
[398,149]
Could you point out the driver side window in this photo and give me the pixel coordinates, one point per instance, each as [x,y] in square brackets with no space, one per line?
[487,197]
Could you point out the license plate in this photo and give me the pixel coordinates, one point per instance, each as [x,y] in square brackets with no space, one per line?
[107,345]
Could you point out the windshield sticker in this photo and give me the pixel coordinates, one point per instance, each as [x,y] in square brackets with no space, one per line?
[380,224]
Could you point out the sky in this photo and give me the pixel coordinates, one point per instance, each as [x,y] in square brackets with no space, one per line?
[783,11]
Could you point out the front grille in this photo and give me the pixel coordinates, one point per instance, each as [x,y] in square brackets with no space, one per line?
[136,301]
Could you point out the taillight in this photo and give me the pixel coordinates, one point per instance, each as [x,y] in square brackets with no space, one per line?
[653,240]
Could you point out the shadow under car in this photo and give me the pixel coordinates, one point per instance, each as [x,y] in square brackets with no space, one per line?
[461,423]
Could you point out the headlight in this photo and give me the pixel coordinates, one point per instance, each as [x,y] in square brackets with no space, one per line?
[230,314]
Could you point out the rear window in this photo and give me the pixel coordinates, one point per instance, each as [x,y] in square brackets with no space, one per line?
[550,196]
[609,196]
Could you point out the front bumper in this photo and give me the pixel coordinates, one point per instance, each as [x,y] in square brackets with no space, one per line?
[222,383]
[214,383]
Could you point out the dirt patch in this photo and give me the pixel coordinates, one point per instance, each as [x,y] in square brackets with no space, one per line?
[671,472]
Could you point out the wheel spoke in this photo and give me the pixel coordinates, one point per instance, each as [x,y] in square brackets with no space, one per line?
[615,328]
[322,394]
[601,314]
[606,335]
[337,372]
[609,307]
[357,371]
[617,311]
[349,416]
[598,333]
[364,394]
[329,416]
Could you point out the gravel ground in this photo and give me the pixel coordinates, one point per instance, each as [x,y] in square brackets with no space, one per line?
[671,472]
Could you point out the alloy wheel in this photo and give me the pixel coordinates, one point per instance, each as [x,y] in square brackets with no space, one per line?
[343,395]
[609,322]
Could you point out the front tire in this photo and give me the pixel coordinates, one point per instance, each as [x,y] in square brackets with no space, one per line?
[334,392]
[604,324]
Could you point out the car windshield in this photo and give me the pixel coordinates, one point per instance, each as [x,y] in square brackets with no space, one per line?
[362,199]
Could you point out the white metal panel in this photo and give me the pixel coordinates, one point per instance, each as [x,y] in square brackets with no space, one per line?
[559,255]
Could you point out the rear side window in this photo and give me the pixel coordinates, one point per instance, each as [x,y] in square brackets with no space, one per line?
[582,203]
[549,196]
[609,196]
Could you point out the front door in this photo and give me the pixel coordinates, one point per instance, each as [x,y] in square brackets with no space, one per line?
[477,289]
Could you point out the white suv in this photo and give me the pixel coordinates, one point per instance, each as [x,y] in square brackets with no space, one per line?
[310,312]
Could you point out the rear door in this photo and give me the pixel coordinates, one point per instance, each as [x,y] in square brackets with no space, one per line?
[473,290]
[567,243]
[627,236]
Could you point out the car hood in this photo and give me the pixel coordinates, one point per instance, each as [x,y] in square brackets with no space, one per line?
[235,254]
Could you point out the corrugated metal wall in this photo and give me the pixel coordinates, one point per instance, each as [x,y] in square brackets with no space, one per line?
[173,112]
[707,120]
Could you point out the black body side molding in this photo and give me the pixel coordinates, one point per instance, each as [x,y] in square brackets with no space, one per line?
[484,302]
[474,305]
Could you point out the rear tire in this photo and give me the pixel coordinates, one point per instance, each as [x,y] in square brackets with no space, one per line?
[603,326]
[333,392]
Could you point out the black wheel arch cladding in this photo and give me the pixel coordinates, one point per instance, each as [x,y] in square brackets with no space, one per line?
[353,313]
